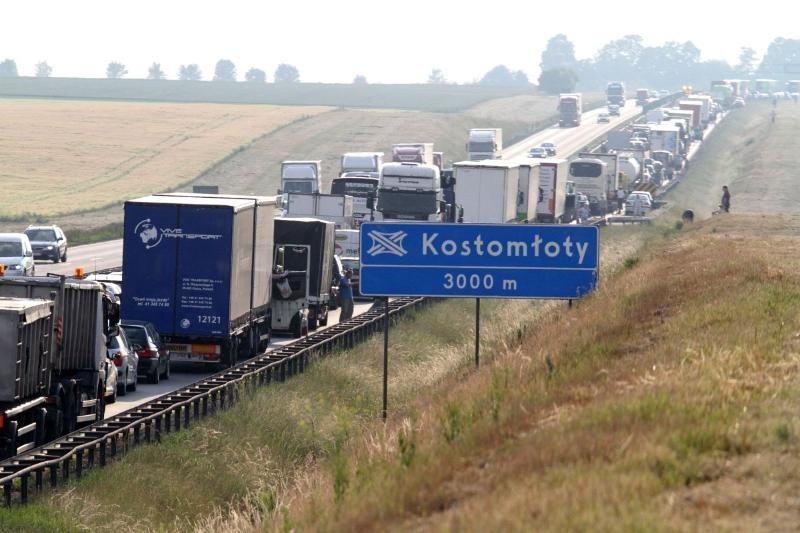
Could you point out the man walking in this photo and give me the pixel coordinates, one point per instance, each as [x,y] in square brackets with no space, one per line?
[346,296]
[726,199]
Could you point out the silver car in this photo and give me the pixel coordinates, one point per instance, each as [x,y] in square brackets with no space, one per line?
[125,360]
[16,254]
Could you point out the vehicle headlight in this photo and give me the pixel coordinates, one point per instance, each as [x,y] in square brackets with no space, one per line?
[49,247]
[15,267]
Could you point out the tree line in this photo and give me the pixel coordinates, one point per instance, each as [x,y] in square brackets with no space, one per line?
[671,65]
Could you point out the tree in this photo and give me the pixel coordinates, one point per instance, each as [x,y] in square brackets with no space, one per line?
[255,75]
[559,53]
[501,75]
[360,80]
[8,69]
[558,80]
[436,77]
[115,70]
[190,72]
[155,72]
[43,70]
[286,73]
[747,61]
[225,70]
[617,59]
[782,59]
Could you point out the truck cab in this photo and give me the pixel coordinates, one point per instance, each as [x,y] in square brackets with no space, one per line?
[484,143]
[410,191]
[301,177]
[570,108]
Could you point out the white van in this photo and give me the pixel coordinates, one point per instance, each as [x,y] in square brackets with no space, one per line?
[16,254]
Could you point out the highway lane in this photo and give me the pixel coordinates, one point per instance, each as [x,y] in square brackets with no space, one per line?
[184,374]
[90,257]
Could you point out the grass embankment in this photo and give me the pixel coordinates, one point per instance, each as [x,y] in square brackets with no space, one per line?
[69,157]
[421,97]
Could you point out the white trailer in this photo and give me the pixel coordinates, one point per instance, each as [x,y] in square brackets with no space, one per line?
[529,192]
[333,207]
[553,183]
[485,143]
[487,190]
[421,153]
[370,162]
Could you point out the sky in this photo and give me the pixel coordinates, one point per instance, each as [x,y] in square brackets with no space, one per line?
[388,42]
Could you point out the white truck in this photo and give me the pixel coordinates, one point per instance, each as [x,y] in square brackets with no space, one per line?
[410,191]
[301,176]
[413,153]
[528,191]
[665,137]
[336,208]
[484,143]
[553,183]
[362,162]
[361,186]
[487,190]
[630,170]
[598,182]
[705,112]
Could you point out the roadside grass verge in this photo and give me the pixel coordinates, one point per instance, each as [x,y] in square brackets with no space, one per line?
[251,462]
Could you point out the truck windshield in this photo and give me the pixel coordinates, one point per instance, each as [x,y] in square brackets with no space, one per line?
[10,249]
[568,107]
[299,172]
[407,202]
[359,162]
[361,188]
[481,146]
[303,187]
[585,169]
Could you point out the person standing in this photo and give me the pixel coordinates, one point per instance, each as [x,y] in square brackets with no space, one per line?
[726,199]
[346,296]
[620,199]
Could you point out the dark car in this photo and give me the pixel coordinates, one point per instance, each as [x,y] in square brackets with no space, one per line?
[48,242]
[151,349]
[550,147]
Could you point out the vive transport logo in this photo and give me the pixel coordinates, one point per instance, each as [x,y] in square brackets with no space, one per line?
[151,235]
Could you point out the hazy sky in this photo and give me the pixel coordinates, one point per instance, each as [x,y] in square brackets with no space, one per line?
[389,42]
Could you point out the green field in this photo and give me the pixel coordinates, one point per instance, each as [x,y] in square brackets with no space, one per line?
[420,97]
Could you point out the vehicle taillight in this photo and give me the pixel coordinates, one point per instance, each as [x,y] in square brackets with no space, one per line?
[118,360]
[146,353]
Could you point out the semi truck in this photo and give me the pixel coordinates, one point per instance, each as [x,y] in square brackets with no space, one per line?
[487,190]
[301,177]
[705,110]
[362,162]
[484,143]
[696,108]
[666,137]
[529,192]
[337,208]
[361,186]
[411,191]
[53,333]
[301,290]
[629,171]
[570,108]
[615,93]
[597,176]
[642,96]
[413,153]
[551,206]
[198,267]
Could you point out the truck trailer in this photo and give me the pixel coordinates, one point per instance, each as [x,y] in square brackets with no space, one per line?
[528,191]
[53,365]
[421,153]
[198,267]
[570,108]
[552,205]
[301,289]
[487,190]
[338,208]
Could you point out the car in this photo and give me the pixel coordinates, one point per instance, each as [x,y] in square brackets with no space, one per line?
[110,392]
[538,151]
[16,254]
[48,242]
[739,102]
[603,117]
[645,201]
[550,147]
[653,94]
[663,92]
[148,345]
[126,362]
[613,110]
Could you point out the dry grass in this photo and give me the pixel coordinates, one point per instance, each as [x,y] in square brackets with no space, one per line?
[67,156]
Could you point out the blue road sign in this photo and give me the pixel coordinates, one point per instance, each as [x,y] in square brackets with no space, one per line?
[478,260]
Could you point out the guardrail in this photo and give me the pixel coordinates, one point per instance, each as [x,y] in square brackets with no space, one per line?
[94,444]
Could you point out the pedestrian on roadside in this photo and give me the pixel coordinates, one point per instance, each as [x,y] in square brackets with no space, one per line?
[726,199]
[346,296]
[620,199]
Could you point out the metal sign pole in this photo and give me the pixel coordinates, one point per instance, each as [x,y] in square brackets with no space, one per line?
[385,356]
[477,332]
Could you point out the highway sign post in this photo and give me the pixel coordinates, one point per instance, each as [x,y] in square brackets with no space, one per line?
[478,261]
